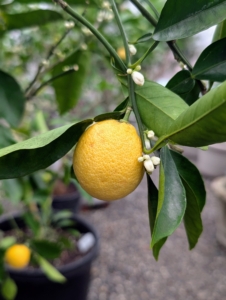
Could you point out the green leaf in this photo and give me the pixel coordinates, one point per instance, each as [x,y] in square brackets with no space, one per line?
[144,38]
[28,19]
[181,83]
[9,289]
[6,242]
[203,123]
[117,115]
[195,194]
[181,19]
[32,222]
[46,249]
[211,64]
[12,101]
[122,106]
[158,106]
[40,151]
[194,127]
[6,137]
[68,88]
[152,209]
[50,271]
[13,189]
[171,199]
[193,95]
[220,31]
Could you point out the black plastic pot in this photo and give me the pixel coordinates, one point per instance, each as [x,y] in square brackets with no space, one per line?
[33,284]
[68,201]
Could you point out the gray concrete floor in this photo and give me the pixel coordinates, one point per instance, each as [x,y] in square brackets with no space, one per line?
[126,270]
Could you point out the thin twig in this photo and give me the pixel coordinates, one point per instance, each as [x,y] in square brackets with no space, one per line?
[33,93]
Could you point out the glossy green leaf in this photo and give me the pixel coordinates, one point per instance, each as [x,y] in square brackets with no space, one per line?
[181,83]
[46,249]
[220,31]
[68,88]
[158,106]
[117,115]
[202,124]
[40,151]
[195,194]
[28,19]
[152,209]
[122,106]
[144,38]
[211,64]
[180,19]
[50,271]
[12,100]
[193,95]
[9,289]
[171,200]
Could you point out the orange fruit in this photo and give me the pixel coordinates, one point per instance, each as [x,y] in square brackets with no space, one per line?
[18,256]
[105,160]
[121,53]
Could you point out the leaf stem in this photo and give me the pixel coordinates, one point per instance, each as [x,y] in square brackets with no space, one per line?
[122,31]
[98,35]
[153,46]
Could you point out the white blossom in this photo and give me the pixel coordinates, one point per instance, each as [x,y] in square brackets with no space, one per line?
[132,49]
[150,134]
[155,160]
[148,164]
[138,78]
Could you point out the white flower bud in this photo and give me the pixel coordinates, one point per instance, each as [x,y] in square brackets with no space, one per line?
[45,62]
[138,68]
[150,134]
[138,78]
[132,49]
[69,24]
[140,159]
[155,160]
[148,164]
[129,71]
[146,157]
[147,144]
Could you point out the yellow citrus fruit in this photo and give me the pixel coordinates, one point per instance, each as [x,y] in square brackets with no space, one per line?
[105,160]
[18,256]
[121,53]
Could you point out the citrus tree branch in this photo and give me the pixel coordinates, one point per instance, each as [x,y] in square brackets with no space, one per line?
[98,35]
[35,92]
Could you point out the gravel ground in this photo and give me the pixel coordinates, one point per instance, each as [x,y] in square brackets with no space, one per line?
[126,270]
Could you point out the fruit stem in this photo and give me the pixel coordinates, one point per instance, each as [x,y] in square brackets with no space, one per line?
[127,114]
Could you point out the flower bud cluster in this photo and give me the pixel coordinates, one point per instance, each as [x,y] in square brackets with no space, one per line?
[150,163]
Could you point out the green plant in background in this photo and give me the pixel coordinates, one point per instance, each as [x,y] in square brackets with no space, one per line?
[187,112]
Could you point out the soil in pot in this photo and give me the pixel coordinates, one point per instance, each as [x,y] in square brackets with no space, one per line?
[33,284]
[66,197]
